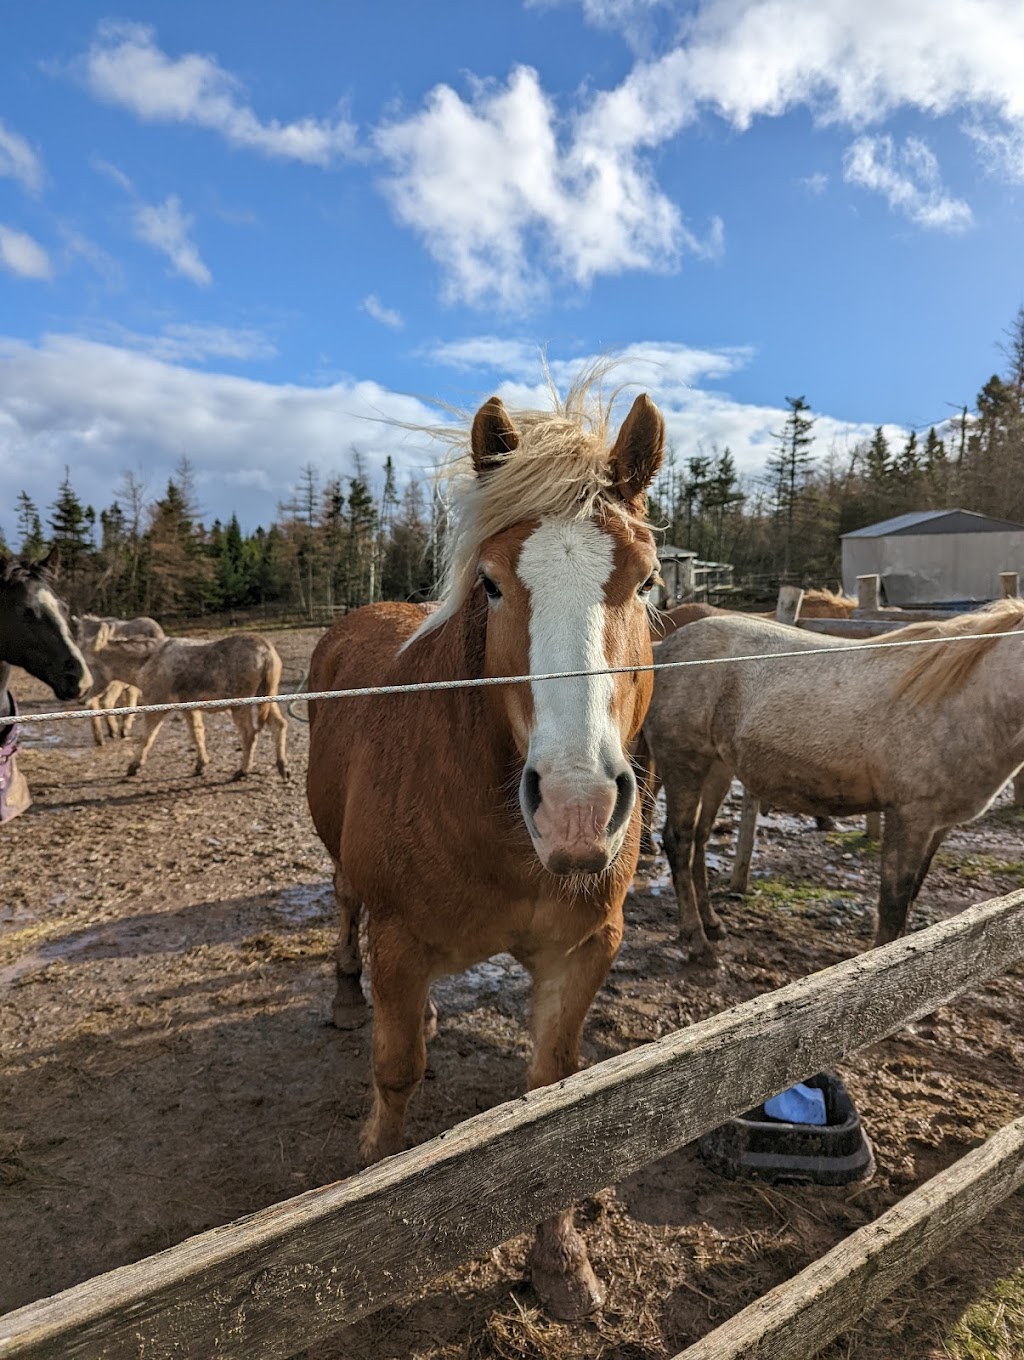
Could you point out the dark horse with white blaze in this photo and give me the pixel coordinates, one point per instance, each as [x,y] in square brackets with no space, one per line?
[476,821]
[35,635]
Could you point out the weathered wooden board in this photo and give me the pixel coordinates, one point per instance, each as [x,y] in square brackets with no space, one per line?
[799,1318]
[272,1283]
[851,628]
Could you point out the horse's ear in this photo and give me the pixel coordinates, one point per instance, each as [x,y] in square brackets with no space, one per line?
[639,449]
[494,436]
[51,562]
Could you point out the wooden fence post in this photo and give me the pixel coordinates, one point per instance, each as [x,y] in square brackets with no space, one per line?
[1009,585]
[740,880]
[867,591]
[787,610]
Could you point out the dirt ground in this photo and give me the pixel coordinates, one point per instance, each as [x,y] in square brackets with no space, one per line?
[166,1064]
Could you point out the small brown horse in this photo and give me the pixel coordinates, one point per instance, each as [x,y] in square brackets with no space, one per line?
[476,821]
[173,670]
[927,735]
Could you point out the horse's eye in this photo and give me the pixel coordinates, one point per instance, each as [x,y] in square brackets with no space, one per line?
[491,588]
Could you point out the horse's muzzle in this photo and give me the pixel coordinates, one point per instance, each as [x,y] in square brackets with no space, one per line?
[577,827]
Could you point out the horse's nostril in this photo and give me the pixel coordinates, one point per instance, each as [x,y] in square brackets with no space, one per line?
[531,790]
[625,783]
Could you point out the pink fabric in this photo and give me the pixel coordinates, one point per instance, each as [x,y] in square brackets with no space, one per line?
[14,796]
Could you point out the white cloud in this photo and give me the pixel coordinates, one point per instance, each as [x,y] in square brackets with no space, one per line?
[815,184]
[908,178]
[197,341]
[23,255]
[387,316]
[165,227]
[508,191]
[18,160]
[660,365]
[124,66]
[100,261]
[488,185]
[102,408]
[112,172]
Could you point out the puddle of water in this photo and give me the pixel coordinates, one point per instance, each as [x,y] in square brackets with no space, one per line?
[46,954]
[308,902]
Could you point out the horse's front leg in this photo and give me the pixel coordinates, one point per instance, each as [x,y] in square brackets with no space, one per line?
[245,725]
[563,988]
[95,701]
[400,981]
[154,721]
[716,786]
[682,810]
[197,731]
[131,697]
[907,850]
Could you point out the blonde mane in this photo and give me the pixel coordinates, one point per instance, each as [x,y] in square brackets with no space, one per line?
[935,673]
[559,469]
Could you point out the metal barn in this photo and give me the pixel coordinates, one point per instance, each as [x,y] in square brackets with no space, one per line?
[933,557]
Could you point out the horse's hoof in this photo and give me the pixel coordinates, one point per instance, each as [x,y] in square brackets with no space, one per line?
[374,1147]
[237,777]
[715,931]
[283,771]
[132,771]
[349,1009]
[702,955]
[567,1295]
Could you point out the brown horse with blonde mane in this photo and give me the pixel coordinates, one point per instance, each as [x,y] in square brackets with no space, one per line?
[927,735]
[475,821]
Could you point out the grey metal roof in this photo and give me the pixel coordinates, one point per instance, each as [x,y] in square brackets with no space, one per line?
[667,551]
[936,522]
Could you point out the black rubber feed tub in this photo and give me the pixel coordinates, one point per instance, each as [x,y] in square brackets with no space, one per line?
[756,1147]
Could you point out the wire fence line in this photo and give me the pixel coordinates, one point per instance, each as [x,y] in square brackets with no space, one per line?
[492,681]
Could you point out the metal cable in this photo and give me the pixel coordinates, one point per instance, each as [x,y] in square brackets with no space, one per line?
[487,682]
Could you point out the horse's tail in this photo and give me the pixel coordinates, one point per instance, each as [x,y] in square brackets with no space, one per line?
[269,683]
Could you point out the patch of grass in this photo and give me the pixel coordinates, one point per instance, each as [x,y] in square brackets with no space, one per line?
[781,891]
[992,1328]
[981,866]
[854,841]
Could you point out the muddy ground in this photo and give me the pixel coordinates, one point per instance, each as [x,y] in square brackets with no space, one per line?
[166,1064]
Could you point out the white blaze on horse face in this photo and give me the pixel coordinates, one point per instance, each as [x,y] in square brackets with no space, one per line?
[575,747]
[50,605]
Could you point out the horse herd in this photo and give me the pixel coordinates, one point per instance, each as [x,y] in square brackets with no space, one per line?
[465,822]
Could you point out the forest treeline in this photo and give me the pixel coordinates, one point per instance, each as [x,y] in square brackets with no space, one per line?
[340,542]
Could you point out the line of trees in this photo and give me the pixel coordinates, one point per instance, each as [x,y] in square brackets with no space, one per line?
[785,524]
[340,542]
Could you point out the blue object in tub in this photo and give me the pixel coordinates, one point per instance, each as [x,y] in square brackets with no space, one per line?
[799,1105]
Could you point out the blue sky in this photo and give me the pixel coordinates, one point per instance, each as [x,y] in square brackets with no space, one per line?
[256,234]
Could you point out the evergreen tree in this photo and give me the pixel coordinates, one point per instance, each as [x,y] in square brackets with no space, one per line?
[30,530]
[70,529]
[789,468]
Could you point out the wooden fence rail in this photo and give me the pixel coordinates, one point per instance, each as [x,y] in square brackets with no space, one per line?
[273,1283]
[799,1318]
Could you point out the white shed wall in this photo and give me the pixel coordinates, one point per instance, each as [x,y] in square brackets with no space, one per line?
[934,568]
